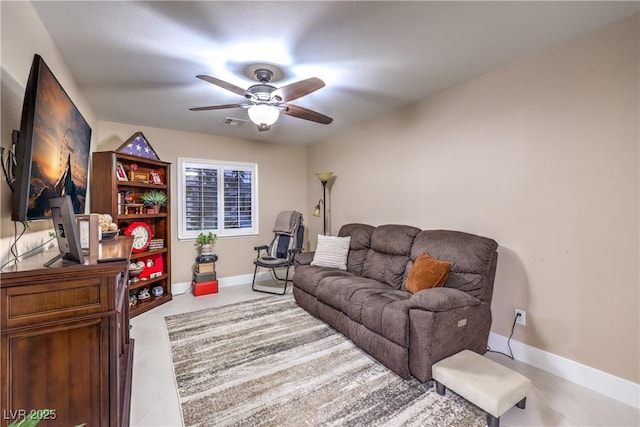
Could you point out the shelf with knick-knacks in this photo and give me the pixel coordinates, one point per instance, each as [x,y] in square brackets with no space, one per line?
[137,195]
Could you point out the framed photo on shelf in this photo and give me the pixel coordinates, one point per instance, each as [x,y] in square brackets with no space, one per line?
[155,177]
[89,230]
[139,176]
[120,172]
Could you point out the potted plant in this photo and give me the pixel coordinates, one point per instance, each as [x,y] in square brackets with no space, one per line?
[154,199]
[205,242]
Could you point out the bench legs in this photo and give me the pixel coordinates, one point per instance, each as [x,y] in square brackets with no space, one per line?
[491,420]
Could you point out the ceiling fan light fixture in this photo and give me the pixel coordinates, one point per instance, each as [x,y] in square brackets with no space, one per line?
[263,115]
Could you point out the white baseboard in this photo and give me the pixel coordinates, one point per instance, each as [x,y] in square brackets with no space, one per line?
[223,282]
[180,288]
[601,382]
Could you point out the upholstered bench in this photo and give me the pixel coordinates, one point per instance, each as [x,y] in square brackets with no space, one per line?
[483,382]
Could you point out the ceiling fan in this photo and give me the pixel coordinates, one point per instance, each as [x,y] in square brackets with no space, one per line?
[265,102]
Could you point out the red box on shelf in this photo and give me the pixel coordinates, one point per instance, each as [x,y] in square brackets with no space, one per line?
[153,267]
[204,288]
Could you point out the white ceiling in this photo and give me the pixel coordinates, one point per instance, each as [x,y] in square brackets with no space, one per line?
[136,61]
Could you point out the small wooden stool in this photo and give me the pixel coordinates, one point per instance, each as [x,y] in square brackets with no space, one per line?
[483,382]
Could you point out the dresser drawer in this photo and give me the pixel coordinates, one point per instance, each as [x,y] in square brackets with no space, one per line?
[45,302]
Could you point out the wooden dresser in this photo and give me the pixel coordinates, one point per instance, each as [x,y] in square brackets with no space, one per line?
[64,341]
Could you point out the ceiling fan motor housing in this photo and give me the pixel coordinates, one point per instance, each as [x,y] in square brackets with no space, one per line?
[263,75]
[260,91]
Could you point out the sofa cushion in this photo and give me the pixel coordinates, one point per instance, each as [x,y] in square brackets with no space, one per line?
[383,311]
[393,239]
[471,283]
[441,299]
[388,269]
[307,277]
[304,258]
[336,291]
[426,273]
[360,243]
[466,252]
[331,252]
[470,257]
[387,259]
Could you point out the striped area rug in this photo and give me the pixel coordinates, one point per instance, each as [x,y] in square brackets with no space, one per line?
[267,362]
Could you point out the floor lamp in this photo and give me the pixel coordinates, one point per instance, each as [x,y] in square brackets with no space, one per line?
[324,177]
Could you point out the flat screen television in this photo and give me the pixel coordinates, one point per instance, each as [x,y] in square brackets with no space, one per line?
[52,153]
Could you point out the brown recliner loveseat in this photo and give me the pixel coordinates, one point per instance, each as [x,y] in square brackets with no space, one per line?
[369,303]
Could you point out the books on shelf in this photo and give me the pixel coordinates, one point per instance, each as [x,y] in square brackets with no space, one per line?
[121,209]
[156,244]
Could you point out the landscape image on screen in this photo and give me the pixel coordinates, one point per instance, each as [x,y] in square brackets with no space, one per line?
[61,144]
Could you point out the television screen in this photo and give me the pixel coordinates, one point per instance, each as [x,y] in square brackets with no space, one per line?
[53,148]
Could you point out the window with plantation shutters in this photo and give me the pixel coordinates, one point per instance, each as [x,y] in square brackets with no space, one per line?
[201,198]
[217,196]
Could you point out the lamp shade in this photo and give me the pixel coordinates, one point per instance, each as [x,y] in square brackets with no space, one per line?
[316,210]
[263,114]
[324,176]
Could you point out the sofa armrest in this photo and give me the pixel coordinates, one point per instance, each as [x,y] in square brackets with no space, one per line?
[304,258]
[435,335]
[441,299]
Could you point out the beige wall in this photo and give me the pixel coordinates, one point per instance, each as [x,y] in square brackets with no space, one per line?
[281,185]
[541,155]
[22,36]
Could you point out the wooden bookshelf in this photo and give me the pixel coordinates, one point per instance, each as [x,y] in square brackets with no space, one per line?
[111,192]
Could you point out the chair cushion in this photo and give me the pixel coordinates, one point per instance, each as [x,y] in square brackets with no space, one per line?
[281,246]
[427,272]
[271,262]
[331,252]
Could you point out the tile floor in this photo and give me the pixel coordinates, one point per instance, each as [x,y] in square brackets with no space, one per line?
[551,402]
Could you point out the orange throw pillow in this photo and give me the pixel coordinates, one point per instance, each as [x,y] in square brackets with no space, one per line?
[426,273]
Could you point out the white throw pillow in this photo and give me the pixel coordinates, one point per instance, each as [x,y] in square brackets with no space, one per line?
[332,252]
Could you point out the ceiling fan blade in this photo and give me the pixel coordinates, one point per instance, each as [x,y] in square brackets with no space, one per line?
[226,85]
[298,89]
[217,107]
[306,114]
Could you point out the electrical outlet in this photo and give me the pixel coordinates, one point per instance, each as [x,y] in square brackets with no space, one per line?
[521,317]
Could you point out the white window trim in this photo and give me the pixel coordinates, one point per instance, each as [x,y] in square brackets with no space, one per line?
[184,162]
